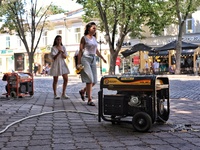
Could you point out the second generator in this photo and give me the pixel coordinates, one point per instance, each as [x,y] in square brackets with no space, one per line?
[19,84]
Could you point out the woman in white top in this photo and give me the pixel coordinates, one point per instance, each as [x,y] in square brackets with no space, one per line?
[87,57]
[59,66]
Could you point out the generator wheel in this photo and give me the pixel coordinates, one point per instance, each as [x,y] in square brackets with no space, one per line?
[30,93]
[142,121]
[13,94]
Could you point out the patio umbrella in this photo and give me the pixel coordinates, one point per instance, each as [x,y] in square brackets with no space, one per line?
[158,53]
[165,53]
[135,48]
[172,46]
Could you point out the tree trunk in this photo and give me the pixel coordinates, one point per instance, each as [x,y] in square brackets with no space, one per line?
[178,58]
[179,49]
[113,58]
[31,60]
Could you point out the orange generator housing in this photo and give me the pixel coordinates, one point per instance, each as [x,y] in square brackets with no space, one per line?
[19,84]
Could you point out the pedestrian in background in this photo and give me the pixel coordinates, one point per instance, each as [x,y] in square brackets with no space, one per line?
[59,66]
[146,67]
[36,67]
[87,58]
[156,66]
[47,68]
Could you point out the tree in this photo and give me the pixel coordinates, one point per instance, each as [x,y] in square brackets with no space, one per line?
[56,9]
[124,18]
[183,8]
[23,17]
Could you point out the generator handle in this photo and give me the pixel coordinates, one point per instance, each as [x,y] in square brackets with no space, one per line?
[100,96]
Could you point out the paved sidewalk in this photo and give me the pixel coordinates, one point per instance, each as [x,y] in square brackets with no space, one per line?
[67,130]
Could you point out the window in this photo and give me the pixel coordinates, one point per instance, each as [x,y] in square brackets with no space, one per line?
[7,42]
[189,25]
[19,42]
[77,35]
[44,38]
[59,32]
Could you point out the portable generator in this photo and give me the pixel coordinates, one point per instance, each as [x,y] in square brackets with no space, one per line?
[18,84]
[140,100]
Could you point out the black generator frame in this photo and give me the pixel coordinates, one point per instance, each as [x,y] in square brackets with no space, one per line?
[150,91]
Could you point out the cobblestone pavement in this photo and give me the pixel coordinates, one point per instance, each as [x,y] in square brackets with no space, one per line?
[70,131]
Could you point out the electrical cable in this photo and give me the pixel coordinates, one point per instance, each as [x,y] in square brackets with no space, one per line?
[44,113]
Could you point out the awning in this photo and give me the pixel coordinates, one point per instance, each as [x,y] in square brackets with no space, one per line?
[172,46]
[165,53]
[135,48]
[187,52]
[160,53]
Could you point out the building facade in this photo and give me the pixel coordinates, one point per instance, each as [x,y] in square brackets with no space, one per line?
[71,27]
[191,34]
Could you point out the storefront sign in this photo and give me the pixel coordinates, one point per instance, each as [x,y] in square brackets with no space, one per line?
[136,60]
[193,39]
[19,61]
[3,51]
[118,61]
[6,51]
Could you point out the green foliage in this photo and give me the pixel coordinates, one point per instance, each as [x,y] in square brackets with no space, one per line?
[185,6]
[127,17]
[8,11]
[24,18]
[132,14]
[56,9]
[160,15]
[52,10]
[183,10]
[155,14]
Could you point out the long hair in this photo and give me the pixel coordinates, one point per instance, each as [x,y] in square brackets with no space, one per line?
[87,28]
[55,40]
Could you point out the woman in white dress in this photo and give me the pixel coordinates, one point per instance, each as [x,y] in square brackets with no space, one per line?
[59,66]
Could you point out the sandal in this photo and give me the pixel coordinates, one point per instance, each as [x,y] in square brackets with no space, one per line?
[56,97]
[65,96]
[81,92]
[90,103]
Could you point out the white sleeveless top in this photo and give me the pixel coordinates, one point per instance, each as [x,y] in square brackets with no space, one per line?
[90,45]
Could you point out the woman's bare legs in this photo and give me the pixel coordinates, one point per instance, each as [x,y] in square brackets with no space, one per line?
[89,92]
[55,81]
[65,81]
[84,89]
